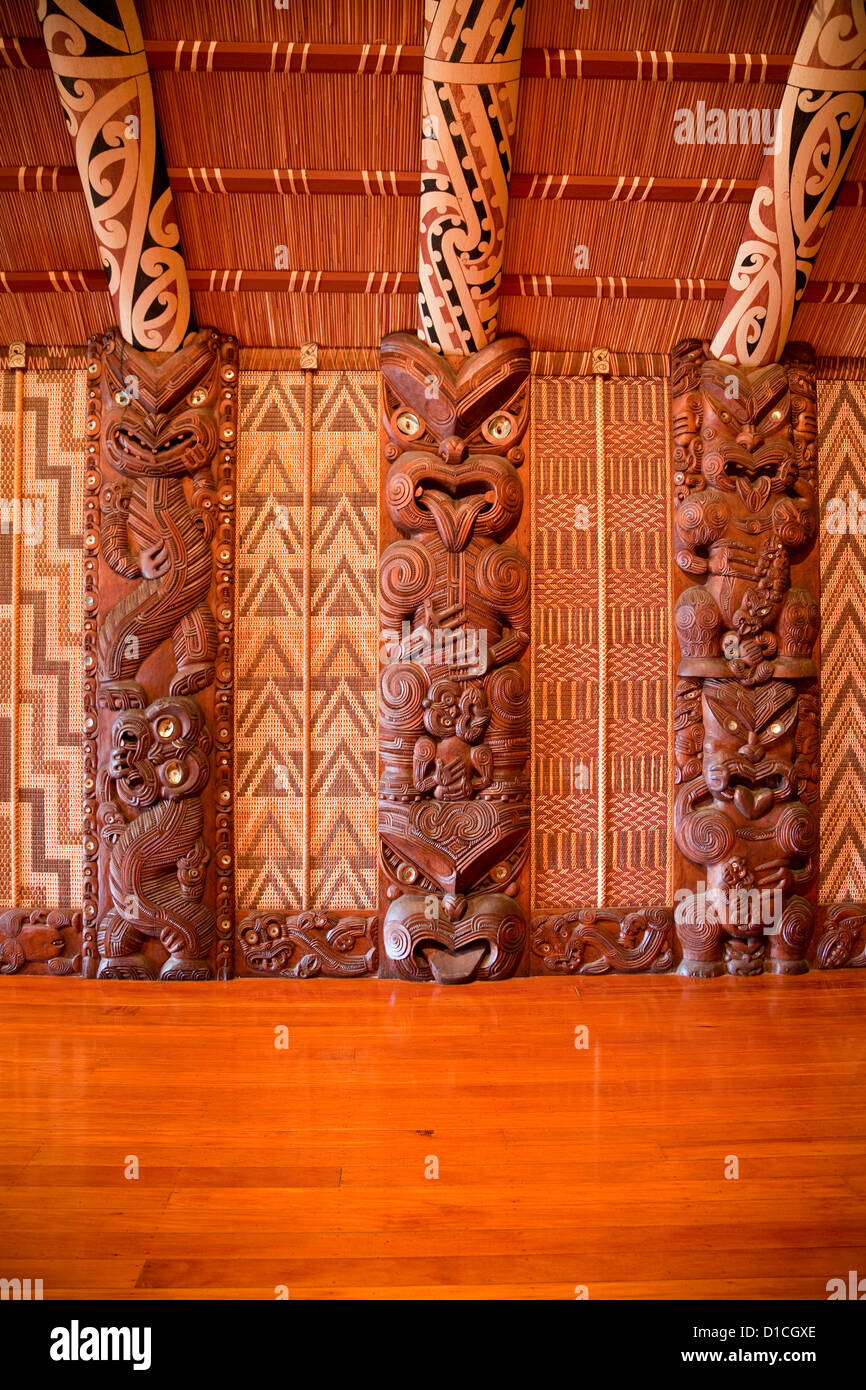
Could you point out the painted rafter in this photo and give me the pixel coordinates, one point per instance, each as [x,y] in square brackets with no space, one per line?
[96,53]
[818,124]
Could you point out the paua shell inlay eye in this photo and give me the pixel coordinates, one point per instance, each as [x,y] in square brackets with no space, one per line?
[408,424]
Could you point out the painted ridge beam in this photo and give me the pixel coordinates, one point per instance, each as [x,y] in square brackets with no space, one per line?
[100,69]
[821,117]
[404,183]
[469,94]
[389,282]
[387,60]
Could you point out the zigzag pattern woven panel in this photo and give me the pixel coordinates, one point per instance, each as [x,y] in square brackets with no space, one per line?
[566,642]
[567,636]
[269,719]
[270,732]
[50,679]
[842,480]
[344,639]
[637,606]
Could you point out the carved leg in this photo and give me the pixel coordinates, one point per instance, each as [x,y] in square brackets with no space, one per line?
[701,944]
[195,643]
[119,943]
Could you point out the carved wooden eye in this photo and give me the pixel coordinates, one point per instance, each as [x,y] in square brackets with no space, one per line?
[174,774]
[499,427]
[165,728]
[273,931]
[408,424]
[725,415]
[251,937]
[199,396]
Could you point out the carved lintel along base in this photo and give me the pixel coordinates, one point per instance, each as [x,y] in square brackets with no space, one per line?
[308,944]
[842,943]
[596,941]
[34,941]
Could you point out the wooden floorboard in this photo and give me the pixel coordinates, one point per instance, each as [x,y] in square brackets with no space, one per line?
[559,1167]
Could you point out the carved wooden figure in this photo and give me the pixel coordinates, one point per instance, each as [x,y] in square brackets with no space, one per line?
[158,660]
[746,703]
[454,690]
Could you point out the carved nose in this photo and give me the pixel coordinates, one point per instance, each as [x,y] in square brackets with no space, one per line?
[453,450]
[747,438]
[752,752]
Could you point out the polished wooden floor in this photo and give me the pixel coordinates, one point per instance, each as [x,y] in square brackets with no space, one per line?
[558,1166]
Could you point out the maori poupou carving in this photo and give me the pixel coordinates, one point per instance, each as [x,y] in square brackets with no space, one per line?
[454,690]
[158,660]
[746,704]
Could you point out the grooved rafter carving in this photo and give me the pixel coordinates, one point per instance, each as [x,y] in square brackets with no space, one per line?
[746,711]
[158,660]
[454,689]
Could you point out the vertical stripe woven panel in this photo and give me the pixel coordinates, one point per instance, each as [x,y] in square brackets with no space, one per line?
[567,635]
[269,720]
[842,484]
[344,646]
[566,638]
[7,447]
[50,681]
[270,732]
[637,597]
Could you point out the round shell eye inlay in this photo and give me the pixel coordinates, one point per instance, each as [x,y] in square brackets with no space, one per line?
[500,427]
[407,423]
[174,774]
[165,728]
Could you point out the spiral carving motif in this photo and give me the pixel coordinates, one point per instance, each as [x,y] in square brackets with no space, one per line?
[454,692]
[746,711]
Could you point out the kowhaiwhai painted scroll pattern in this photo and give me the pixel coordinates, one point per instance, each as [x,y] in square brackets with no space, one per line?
[469,113]
[817,126]
[102,78]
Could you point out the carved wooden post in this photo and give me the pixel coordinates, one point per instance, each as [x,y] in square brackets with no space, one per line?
[454,709]
[159,601]
[746,703]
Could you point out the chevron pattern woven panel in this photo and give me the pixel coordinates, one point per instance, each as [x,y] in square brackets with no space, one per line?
[842,475]
[344,639]
[269,719]
[270,733]
[637,608]
[567,639]
[49,681]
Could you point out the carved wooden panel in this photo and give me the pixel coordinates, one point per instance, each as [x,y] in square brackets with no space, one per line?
[36,942]
[307,944]
[599,940]
[454,807]
[746,701]
[843,938]
[159,888]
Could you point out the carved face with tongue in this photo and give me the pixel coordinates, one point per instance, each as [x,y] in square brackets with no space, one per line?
[749,744]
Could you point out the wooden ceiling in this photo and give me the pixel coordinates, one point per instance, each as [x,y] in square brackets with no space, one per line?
[345,122]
